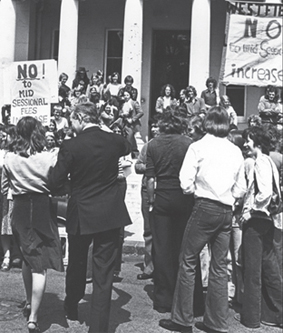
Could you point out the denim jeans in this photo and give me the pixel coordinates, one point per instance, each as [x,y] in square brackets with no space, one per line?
[262,274]
[210,222]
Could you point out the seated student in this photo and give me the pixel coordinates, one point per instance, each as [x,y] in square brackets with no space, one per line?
[81,79]
[128,87]
[64,91]
[226,104]
[195,105]
[60,121]
[166,98]
[268,107]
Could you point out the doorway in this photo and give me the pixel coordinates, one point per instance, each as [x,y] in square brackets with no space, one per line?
[170,62]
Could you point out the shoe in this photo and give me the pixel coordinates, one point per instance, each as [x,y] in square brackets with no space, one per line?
[168,324]
[117,278]
[144,276]
[237,316]
[17,263]
[5,267]
[33,327]
[200,325]
[27,310]
[266,323]
[71,311]
[161,309]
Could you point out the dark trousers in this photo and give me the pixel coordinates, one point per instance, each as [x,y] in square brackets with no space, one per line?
[262,275]
[123,188]
[167,221]
[105,247]
[210,222]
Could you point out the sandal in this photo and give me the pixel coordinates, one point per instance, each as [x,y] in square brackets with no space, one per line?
[5,267]
[33,327]
[26,310]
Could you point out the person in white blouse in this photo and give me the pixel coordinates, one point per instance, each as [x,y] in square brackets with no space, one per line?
[209,171]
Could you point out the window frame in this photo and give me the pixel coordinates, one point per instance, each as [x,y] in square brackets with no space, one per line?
[241,119]
[106,51]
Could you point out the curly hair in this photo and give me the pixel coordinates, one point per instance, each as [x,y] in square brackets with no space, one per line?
[259,137]
[172,122]
[269,89]
[255,119]
[31,137]
[193,90]
[173,91]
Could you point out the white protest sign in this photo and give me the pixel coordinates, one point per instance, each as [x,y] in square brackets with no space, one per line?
[254,51]
[33,86]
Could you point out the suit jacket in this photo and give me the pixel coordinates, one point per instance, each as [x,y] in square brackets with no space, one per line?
[91,161]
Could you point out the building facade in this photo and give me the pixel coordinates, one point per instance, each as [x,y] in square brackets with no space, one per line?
[156,41]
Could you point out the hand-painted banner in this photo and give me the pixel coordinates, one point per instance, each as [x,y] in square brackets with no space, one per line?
[33,86]
[254,51]
[255,8]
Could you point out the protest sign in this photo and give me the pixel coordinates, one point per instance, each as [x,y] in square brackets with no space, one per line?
[33,87]
[254,51]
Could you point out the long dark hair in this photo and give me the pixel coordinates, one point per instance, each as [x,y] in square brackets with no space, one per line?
[31,137]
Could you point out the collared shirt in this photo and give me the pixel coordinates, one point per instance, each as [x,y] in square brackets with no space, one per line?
[210,168]
[195,107]
[209,97]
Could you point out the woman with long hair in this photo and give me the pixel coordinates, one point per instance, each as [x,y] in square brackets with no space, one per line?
[34,225]
[166,98]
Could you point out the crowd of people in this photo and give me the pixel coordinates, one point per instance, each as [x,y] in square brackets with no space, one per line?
[205,184]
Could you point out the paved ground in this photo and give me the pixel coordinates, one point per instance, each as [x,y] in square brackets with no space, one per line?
[131,310]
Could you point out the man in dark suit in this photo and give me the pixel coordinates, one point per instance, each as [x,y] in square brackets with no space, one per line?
[96,210]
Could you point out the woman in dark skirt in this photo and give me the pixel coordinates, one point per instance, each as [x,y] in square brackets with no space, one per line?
[25,171]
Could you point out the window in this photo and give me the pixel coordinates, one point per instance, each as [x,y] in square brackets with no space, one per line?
[55,45]
[237,95]
[114,52]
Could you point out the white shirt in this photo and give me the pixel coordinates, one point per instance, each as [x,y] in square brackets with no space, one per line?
[210,168]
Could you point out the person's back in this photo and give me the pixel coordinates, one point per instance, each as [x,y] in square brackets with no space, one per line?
[167,153]
[96,210]
[218,163]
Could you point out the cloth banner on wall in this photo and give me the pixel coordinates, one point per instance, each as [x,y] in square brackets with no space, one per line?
[254,51]
[33,87]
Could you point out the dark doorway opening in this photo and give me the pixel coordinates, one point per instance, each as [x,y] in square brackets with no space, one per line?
[170,62]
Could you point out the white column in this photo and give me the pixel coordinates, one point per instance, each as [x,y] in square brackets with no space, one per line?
[200,44]
[7,42]
[132,42]
[68,38]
